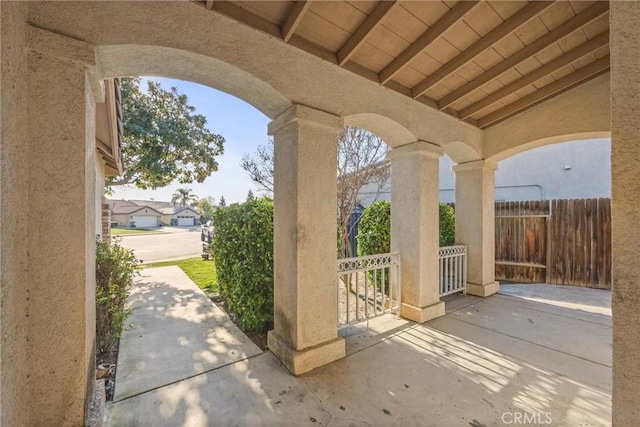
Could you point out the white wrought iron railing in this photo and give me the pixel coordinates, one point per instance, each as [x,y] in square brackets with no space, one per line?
[368,286]
[453,270]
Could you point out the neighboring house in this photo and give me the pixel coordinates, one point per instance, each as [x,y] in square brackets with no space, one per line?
[570,170]
[135,216]
[179,216]
[163,213]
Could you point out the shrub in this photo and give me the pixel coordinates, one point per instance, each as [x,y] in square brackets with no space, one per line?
[116,267]
[447,225]
[243,254]
[374,232]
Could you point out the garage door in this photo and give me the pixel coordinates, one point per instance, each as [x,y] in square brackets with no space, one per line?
[185,220]
[145,221]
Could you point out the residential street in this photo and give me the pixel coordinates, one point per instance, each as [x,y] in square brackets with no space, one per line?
[170,243]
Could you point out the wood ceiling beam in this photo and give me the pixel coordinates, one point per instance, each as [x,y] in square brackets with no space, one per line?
[382,10]
[422,42]
[520,18]
[294,18]
[549,68]
[558,33]
[247,18]
[572,80]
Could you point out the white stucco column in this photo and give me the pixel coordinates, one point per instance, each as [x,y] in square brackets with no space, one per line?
[625,210]
[59,319]
[415,227]
[305,332]
[475,223]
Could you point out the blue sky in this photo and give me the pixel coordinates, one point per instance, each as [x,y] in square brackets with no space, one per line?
[243,127]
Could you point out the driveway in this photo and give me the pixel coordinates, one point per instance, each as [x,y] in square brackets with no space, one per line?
[172,243]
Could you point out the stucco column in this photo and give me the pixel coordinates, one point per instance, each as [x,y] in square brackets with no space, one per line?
[625,210]
[415,227]
[59,307]
[305,332]
[475,223]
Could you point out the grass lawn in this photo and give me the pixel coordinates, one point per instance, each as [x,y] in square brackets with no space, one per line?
[203,273]
[117,231]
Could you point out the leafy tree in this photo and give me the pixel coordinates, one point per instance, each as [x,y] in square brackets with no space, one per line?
[222,202]
[164,140]
[361,157]
[206,207]
[183,197]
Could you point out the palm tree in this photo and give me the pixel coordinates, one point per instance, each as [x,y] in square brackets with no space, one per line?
[183,197]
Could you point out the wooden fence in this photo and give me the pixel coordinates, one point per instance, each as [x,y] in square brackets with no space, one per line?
[566,242]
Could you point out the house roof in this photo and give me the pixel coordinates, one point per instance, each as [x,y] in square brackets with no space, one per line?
[156,204]
[120,203]
[477,61]
[177,209]
[132,209]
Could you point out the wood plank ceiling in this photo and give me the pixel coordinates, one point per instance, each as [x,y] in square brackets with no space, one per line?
[479,61]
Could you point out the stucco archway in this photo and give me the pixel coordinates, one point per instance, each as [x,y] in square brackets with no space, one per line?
[145,60]
[558,139]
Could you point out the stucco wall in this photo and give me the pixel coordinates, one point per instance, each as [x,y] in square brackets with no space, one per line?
[538,174]
[14,185]
[625,211]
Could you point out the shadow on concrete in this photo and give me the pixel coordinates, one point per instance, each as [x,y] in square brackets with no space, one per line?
[483,364]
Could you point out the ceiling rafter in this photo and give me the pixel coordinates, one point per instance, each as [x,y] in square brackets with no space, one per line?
[244,16]
[514,22]
[382,10]
[551,67]
[417,47]
[294,18]
[584,74]
[580,20]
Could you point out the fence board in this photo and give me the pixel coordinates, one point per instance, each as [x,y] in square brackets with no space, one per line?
[573,243]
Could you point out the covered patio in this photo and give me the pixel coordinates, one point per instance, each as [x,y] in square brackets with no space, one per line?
[532,355]
[479,81]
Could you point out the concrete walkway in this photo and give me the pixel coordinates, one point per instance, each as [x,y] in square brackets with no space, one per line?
[527,355]
[175,332]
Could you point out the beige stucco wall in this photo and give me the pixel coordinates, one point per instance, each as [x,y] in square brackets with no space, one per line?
[14,187]
[580,113]
[625,211]
[47,256]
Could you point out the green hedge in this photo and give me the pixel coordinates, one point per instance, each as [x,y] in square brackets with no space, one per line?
[243,252]
[374,231]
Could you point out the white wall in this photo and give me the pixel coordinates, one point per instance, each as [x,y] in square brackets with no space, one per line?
[538,174]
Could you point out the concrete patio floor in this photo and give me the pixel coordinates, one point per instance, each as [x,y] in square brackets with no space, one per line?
[539,354]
